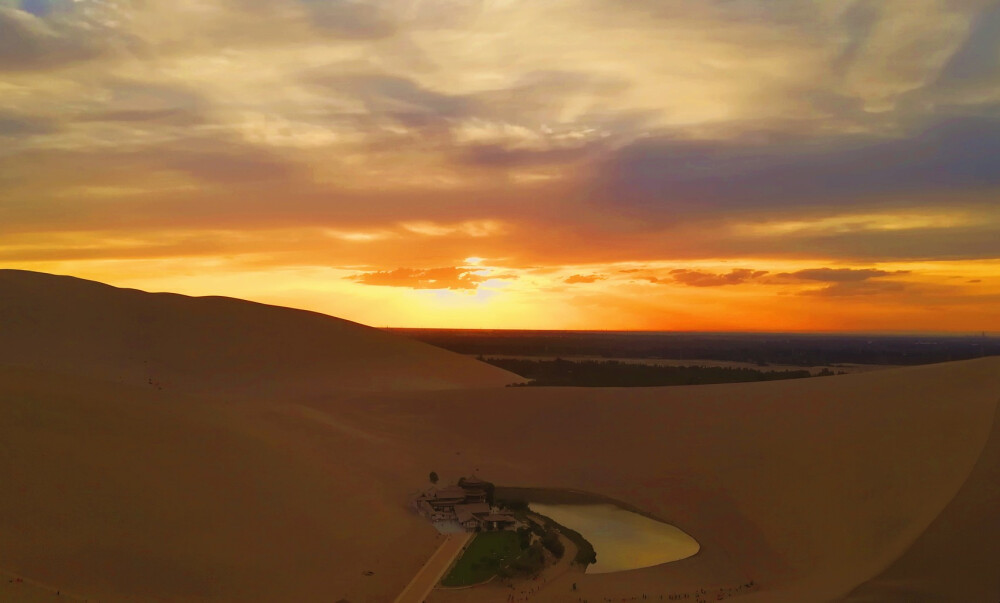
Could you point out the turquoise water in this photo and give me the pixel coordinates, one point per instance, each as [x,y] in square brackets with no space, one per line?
[623,540]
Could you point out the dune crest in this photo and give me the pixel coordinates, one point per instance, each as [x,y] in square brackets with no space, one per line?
[213,344]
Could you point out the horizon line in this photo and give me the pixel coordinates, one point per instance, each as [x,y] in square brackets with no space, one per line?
[968,334]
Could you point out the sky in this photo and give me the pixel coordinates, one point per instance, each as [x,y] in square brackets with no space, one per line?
[734,165]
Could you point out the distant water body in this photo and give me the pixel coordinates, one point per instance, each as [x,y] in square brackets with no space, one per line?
[622,540]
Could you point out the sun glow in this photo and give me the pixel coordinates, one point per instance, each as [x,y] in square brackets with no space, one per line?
[558,164]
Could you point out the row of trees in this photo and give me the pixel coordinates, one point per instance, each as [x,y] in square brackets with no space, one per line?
[532,558]
[613,373]
[548,534]
[774,348]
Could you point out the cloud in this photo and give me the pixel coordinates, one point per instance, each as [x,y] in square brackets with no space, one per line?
[839,275]
[975,235]
[978,58]
[470,228]
[667,177]
[57,36]
[27,42]
[136,101]
[581,278]
[383,94]
[230,164]
[539,97]
[850,278]
[845,282]
[857,22]
[349,19]
[432,278]
[856,288]
[841,282]
[697,278]
[554,133]
[17,125]
[497,155]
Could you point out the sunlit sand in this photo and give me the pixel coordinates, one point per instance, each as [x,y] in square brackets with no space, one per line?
[201,486]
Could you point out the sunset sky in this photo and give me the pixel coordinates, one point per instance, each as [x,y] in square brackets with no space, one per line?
[764,165]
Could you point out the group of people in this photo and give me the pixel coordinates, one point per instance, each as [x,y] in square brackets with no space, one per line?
[19,580]
[699,596]
[523,594]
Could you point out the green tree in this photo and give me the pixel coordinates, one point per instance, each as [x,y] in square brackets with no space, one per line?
[553,544]
[524,537]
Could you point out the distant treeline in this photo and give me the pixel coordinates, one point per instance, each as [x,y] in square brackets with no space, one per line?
[772,348]
[611,373]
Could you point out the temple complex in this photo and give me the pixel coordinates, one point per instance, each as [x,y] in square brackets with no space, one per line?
[463,507]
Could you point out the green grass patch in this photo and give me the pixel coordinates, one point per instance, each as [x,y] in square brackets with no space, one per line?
[483,558]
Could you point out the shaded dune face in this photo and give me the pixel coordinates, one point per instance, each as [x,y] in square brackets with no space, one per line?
[955,558]
[876,486]
[214,344]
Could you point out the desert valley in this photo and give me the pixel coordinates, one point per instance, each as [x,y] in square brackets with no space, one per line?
[157,447]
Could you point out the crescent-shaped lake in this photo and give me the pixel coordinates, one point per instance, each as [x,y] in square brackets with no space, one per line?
[622,539]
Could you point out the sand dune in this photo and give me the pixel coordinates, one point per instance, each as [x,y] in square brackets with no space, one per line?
[212,344]
[865,487]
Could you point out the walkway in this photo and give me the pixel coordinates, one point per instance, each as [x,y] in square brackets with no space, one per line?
[432,572]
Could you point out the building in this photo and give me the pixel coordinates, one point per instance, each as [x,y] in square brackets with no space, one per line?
[445,499]
[498,521]
[465,505]
[470,515]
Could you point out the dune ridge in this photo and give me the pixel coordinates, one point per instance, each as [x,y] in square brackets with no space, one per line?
[879,486]
[213,344]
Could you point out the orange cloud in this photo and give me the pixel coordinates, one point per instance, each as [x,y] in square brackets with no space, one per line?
[433,278]
[696,278]
[580,278]
[840,275]
[848,288]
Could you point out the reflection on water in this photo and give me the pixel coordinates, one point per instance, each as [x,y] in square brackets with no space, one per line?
[623,540]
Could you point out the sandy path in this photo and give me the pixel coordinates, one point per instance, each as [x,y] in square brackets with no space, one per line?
[564,563]
[432,571]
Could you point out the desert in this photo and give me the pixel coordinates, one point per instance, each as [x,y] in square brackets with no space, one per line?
[869,486]
[499,301]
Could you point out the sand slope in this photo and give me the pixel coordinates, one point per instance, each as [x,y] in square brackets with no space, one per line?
[212,344]
[956,558]
[866,487]
[810,487]
[121,493]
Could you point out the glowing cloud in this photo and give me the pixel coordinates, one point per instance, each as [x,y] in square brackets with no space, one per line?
[433,278]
